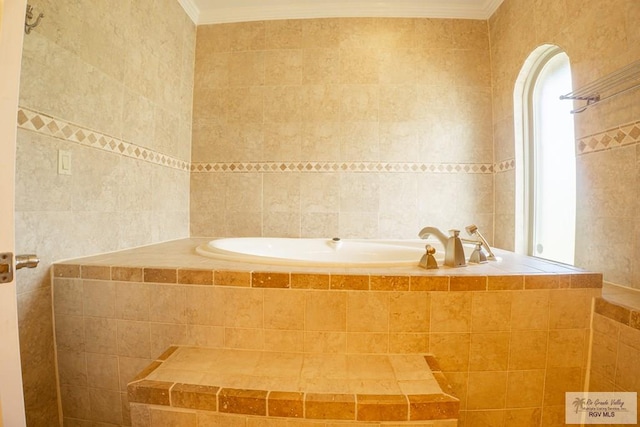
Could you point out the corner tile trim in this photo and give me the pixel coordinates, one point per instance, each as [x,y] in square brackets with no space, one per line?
[334,281]
[61,129]
[618,313]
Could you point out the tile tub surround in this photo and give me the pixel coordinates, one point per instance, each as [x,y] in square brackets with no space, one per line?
[296,385]
[355,127]
[510,337]
[616,341]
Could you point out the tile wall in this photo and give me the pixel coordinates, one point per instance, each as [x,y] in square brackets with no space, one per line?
[615,359]
[600,36]
[112,86]
[357,127]
[510,346]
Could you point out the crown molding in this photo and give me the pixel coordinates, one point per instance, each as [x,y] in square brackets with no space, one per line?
[299,9]
[191,9]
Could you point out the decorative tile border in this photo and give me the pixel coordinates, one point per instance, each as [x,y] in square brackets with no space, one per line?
[329,281]
[61,129]
[476,168]
[619,313]
[612,138]
[505,165]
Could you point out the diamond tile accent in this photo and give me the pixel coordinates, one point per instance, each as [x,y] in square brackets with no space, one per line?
[611,138]
[353,167]
[42,123]
[58,128]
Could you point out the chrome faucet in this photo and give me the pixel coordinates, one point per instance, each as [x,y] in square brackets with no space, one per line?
[473,230]
[454,252]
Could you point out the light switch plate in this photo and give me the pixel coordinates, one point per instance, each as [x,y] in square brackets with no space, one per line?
[64,162]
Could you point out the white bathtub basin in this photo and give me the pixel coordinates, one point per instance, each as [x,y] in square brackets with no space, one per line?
[319,252]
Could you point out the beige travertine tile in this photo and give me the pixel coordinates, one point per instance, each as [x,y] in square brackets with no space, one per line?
[134,339]
[160,275]
[195,277]
[221,420]
[205,336]
[164,335]
[451,350]
[203,305]
[528,350]
[75,401]
[283,67]
[485,418]
[244,308]
[382,407]
[132,301]
[408,342]
[67,296]
[527,417]
[489,351]
[244,338]
[389,283]
[164,418]
[72,368]
[310,281]
[325,342]
[284,309]
[106,406]
[566,348]
[100,335]
[409,312]
[130,368]
[270,280]
[569,309]
[167,303]
[238,401]
[367,342]
[232,278]
[283,340]
[558,381]
[102,371]
[525,388]
[627,368]
[487,390]
[99,298]
[450,312]
[320,66]
[368,311]
[330,406]
[286,404]
[325,311]
[530,310]
[491,311]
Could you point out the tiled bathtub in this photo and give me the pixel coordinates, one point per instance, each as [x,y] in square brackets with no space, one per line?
[510,337]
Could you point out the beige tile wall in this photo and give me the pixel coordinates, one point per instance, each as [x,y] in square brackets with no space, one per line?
[599,36]
[614,363]
[510,355]
[123,72]
[358,127]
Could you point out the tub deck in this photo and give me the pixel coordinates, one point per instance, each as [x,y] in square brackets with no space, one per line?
[405,387]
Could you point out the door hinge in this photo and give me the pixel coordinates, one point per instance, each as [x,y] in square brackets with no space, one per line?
[6,267]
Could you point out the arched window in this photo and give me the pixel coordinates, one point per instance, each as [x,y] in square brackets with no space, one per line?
[545,157]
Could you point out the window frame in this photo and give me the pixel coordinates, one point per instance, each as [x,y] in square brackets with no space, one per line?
[525,140]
